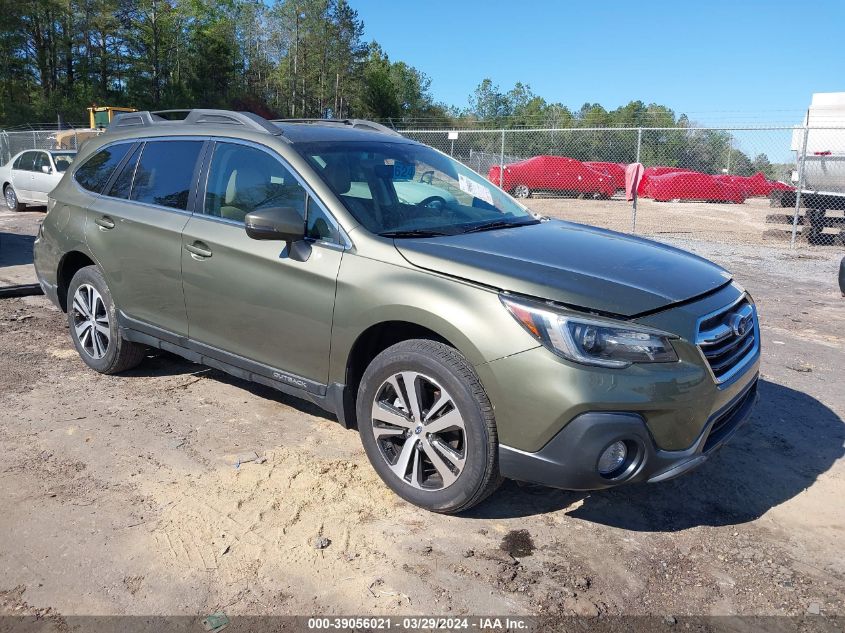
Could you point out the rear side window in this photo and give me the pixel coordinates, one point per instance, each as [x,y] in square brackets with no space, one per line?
[122,185]
[165,172]
[26,162]
[96,171]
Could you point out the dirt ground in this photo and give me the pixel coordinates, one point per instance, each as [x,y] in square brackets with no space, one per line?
[123,494]
[726,223]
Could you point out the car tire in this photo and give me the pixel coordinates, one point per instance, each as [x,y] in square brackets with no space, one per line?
[11,197]
[450,468]
[521,191]
[92,319]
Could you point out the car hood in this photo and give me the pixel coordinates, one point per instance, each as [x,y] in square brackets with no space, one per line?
[573,264]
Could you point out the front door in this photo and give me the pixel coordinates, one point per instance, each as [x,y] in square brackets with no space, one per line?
[250,298]
[135,231]
[42,181]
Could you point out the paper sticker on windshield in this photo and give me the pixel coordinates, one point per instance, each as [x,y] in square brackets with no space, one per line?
[475,189]
[403,171]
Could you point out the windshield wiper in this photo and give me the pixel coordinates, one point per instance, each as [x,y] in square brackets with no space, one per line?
[413,233]
[497,224]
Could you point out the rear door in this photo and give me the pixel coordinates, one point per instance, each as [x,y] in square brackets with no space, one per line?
[22,175]
[250,298]
[134,229]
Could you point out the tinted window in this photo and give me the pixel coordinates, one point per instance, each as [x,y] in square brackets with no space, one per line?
[165,172]
[243,179]
[26,161]
[42,160]
[122,185]
[96,171]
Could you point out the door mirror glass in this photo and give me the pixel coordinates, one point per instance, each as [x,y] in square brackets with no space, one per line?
[45,169]
[275,223]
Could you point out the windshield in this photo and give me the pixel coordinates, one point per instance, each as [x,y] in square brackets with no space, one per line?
[63,160]
[410,190]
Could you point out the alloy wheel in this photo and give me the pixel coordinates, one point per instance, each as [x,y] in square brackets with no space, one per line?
[521,191]
[419,431]
[91,321]
[11,198]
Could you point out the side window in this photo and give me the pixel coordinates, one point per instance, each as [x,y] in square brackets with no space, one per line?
[319,225]
[26,162]
[122,185]
[96,171]
[243,179]
[41,160]
[165,172]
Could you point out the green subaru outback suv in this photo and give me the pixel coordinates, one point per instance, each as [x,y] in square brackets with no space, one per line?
[466,338]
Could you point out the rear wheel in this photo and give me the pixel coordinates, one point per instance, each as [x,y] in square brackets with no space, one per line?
[92,318]
[427,426]
[11,198]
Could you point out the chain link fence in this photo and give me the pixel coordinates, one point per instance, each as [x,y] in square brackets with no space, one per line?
[779,186]
[43,137]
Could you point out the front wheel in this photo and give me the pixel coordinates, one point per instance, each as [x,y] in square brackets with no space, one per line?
[12,201]
[521,191]
[92,317]
[427,426]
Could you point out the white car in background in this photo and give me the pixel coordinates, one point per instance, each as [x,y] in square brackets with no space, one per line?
[30,175]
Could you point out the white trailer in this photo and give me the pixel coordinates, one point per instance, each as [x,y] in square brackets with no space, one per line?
[819,174]
[824,166]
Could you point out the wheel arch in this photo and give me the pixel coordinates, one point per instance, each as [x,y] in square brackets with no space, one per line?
[378,337]
[69,264]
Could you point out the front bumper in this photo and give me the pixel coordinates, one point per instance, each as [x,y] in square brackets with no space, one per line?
[569,460]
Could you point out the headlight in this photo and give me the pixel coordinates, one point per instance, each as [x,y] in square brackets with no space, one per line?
[592,341]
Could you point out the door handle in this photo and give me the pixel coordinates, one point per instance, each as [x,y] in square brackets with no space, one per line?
[198,250]
[105,223]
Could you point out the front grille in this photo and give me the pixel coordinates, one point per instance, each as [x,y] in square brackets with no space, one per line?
[728,339]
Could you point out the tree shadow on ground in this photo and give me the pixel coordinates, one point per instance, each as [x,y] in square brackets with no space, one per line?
[790,440]
[15,249]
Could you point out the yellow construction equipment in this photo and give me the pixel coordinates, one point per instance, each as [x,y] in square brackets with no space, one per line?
[101,116]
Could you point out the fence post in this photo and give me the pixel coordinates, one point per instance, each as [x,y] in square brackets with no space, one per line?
[730,151]
[639,143]
[502,162]
[801,160]
[634,204]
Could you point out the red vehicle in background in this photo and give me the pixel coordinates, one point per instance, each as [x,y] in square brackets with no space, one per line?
[615,170]
[552,174]
[756,186]
[692,185]
[652,172]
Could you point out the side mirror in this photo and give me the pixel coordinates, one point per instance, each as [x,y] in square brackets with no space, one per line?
[275,223]
[46,169]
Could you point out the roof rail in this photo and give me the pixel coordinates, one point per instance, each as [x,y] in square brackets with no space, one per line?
[146,118]
[355,123]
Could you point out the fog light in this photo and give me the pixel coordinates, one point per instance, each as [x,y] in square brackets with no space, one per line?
[612,458]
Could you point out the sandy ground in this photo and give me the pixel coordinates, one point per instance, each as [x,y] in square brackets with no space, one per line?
[121,494]
[725,223]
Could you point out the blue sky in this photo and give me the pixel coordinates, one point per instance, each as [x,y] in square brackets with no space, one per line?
[741,62]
